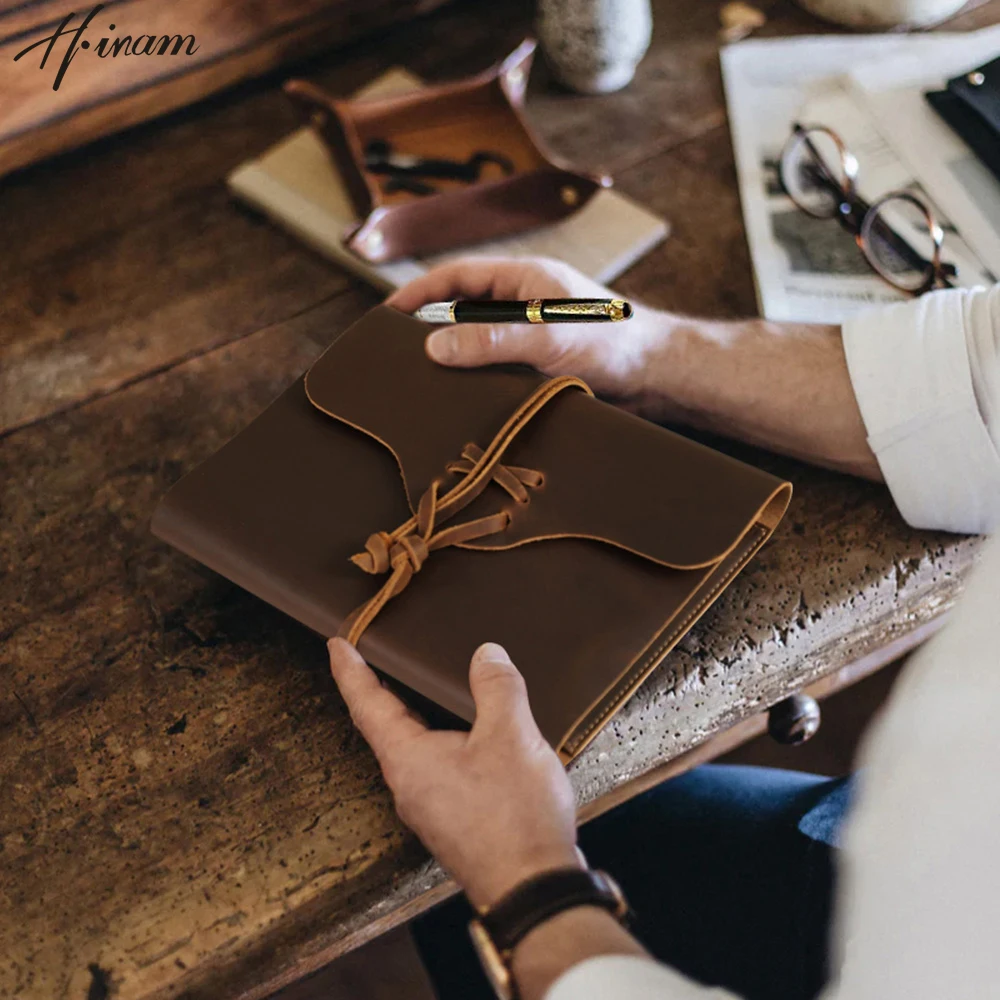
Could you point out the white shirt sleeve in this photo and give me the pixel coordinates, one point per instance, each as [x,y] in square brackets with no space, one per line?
[918,882]
[628,977]
[926,375]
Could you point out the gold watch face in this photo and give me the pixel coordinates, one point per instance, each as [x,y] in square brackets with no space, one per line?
[492,961]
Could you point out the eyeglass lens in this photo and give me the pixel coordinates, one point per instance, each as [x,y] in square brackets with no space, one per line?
[812,172]
[901,242]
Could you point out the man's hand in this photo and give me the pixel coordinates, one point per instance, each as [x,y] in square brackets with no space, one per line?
[493,805]
[611,358]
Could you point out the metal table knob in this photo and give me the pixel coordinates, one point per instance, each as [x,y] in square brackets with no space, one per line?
[794,720]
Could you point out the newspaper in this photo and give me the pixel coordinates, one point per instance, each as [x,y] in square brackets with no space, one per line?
[809,269]
[892,90]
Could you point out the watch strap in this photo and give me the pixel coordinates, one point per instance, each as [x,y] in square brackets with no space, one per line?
[545,895]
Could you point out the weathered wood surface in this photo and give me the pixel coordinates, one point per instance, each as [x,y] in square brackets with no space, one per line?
[184,806]
[128,256]
[133,60]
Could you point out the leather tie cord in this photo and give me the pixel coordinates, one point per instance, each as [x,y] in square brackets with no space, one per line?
[405,550]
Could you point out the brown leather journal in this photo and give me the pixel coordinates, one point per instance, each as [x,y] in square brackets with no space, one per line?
[421,511]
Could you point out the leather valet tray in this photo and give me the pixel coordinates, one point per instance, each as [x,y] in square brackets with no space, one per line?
[455,121]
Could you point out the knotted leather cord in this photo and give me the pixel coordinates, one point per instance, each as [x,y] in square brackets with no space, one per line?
[513,478]
[405,550]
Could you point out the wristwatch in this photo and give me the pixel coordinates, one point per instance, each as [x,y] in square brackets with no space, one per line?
[497,930]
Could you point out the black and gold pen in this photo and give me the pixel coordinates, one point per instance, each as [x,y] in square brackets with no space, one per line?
[531,311]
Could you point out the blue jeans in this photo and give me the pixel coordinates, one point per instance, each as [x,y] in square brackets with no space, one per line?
[729,871]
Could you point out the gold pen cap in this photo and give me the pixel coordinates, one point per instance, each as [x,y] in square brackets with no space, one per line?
[612,309]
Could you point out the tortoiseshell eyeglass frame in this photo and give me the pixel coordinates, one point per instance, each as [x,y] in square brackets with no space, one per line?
[860,218]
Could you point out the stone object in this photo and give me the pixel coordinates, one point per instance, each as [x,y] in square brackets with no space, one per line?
[594,46]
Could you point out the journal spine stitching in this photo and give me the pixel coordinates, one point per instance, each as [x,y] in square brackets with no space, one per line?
[652,659]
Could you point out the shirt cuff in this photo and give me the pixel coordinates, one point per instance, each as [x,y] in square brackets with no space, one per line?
[628,977]
[910,369]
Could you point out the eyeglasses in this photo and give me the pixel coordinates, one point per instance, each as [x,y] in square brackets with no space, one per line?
[898,234]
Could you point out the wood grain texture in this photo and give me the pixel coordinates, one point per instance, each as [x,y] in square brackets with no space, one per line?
[704,268]
[204,781]
[146,214]
[186,808]
[193,276]
[101,92]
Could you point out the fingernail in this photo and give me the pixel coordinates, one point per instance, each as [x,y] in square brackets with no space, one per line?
[441,346]
[493,652]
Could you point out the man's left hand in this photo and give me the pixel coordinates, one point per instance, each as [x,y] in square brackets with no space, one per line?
[493,805]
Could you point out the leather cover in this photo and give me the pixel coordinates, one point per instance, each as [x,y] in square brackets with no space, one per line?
[452,121]
[632,534]
[973,111]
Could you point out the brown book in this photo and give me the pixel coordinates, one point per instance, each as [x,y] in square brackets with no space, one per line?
[423,510]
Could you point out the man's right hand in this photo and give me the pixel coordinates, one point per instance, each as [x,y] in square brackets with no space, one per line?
[784,386]
[611,357]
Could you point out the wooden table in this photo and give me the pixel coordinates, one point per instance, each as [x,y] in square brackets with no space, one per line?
[186,809]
